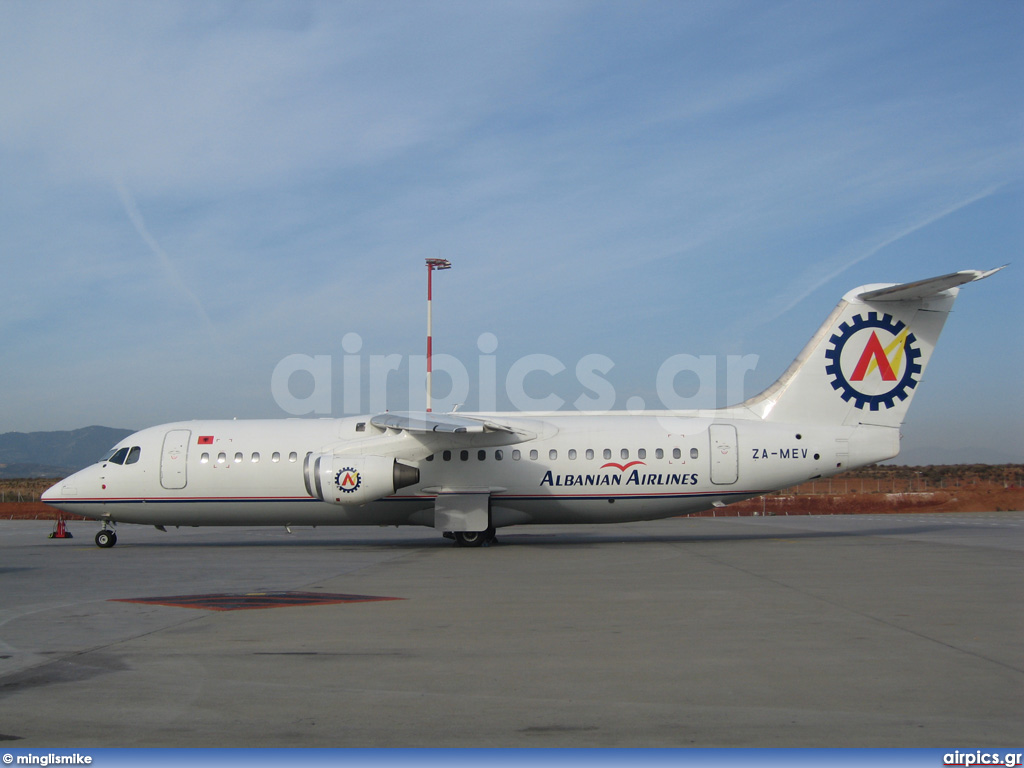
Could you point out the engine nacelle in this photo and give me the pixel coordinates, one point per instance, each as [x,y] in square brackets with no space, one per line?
[355,480]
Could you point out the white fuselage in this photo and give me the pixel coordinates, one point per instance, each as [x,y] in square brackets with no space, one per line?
[576,468]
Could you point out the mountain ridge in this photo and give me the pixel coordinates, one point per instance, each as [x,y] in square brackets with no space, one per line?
[55,454]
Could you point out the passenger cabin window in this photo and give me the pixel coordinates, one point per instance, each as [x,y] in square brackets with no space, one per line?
[516,455]
[293,456]
[694,453]
[255,457]
[641,453]
[590,453]
[659,453]
[464,455]
[276,457]
[204,459]
[481,455]
[446,455]
[676,453]
[533,455]
[552,454]
[607,453]
[624,453]
[238,458]
[430,457]
[221,458]
[498,454]
[572,454]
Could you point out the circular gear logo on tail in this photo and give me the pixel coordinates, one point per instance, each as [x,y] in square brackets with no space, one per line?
[873,361]
[348,480]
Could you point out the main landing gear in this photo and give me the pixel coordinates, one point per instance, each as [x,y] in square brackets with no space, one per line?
[106,538]
[475,538]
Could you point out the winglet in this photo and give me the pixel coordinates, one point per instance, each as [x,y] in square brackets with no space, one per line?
[922,289]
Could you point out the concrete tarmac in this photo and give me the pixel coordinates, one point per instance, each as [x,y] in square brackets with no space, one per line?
[887,631]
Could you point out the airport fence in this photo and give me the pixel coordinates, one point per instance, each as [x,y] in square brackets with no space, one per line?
[843,486]
[15,497]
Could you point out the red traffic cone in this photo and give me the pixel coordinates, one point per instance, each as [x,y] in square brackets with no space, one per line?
[60,530]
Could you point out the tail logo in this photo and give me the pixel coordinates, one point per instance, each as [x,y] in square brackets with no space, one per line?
[873,361]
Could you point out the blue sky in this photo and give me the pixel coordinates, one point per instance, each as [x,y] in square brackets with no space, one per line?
[192,192]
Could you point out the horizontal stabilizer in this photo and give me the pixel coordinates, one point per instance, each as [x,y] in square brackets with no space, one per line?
[923,289]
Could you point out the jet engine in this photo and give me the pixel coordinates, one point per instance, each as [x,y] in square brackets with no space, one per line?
[356,480]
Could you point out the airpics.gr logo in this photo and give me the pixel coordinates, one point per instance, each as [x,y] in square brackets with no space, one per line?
[348,480]
[873,360]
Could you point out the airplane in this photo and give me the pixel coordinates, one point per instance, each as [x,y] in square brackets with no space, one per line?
[838,406]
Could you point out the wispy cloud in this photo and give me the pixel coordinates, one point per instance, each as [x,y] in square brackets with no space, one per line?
[167,265]
[815,278]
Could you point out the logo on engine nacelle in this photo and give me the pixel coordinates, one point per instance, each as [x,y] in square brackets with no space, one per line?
[348,480]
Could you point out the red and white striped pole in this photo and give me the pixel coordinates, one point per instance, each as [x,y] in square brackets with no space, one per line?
[432,264]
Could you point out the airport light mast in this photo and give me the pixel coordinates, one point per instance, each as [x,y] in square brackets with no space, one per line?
[432,264]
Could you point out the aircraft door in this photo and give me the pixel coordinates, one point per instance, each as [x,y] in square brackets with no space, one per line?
[174,458]
[725,454]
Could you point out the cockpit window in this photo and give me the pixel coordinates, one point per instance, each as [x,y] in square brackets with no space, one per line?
[119,456]
[108,454]
[133,455]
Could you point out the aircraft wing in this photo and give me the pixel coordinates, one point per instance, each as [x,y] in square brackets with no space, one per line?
[437,431]
[449,423]
[411,436]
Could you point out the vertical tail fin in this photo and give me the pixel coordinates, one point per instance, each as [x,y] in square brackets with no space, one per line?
[864,364]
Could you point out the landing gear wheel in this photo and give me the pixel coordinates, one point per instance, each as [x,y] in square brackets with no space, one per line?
[106,539]
[475,538]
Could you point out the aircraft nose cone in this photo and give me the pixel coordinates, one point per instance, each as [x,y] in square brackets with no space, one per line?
[58,490]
